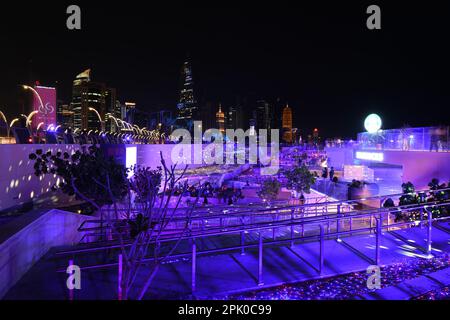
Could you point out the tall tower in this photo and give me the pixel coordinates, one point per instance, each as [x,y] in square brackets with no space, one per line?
[89,101]
[287,124]
[187,106]
[87,95]
[262,115]
[220,119]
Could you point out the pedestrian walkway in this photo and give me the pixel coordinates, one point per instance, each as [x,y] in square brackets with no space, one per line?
[412,288]
[233,272]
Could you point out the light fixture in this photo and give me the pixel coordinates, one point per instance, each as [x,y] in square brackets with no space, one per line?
[372,123]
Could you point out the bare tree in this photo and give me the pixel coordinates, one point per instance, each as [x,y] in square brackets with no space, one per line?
[145,207]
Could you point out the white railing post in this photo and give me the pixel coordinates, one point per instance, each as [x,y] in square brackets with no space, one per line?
[242,243]
[430,226]
[194,266]
[292,227]
[321,257]
[71,290]
[338,221]
[119,278]
[260,260]
[377,240]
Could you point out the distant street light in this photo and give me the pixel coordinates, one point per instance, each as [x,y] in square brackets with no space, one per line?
[38,97]
[29,117]
[115,120]
[2,115]
[10,126]
[39,126]
[102,123]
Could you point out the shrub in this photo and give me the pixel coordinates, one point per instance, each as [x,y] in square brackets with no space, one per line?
[269,189]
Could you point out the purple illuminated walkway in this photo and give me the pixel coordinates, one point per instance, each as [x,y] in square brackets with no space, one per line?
[227,273]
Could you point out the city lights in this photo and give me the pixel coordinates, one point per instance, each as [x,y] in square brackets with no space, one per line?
[224,154]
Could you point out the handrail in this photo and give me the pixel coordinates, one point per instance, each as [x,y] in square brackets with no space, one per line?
[259,229]
[280,210]
[220,230]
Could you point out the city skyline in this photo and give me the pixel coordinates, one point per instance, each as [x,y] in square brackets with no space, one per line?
[217,160]
[325,63]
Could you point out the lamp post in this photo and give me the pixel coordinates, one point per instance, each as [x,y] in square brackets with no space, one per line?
[115,120]
[40,124]
[2,115]
[138,130]
[39,99]
[28,121]
[10,126]
[102,123]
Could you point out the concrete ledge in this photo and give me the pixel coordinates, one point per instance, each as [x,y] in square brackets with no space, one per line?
[25,240]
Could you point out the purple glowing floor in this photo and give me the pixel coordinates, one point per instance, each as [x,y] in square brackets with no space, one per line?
[225,274]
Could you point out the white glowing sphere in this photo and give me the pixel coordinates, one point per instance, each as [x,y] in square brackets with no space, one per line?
[372,123]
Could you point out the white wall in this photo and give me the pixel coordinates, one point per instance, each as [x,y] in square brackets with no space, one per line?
[18,184]
[25,247]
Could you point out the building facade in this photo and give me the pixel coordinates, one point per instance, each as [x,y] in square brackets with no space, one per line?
[88,96]
[262,115]
[220,120]
[287,125]
[187,105]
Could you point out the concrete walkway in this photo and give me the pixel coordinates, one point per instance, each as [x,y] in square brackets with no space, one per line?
[229,273]
[412,288]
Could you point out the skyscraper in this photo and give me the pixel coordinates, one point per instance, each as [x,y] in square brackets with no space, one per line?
[112,108]
[234,118]
[262,115]
[88,95]
[276,114]
[65,116]
[206,113]
[287,124]
[220,120]
[127,111]
[187,106]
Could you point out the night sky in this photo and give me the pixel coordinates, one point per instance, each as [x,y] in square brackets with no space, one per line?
[321,59]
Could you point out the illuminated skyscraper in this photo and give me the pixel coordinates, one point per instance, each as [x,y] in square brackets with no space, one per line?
[187,106]
[234,119]
[127,111]
[287,124]
[220,119]
[87,94]
[262,115]
[65,116]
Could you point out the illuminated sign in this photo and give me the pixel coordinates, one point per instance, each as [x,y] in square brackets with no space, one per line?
[371,156]
[47,110]
[361,173]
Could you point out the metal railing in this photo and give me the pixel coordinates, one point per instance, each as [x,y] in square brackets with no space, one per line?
[195,238]
[407,139]
[235,216]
